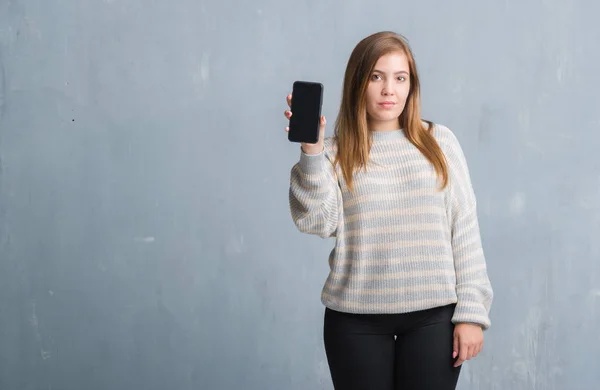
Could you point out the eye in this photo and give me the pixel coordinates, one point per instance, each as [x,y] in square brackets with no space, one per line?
[401,78]
[375,77]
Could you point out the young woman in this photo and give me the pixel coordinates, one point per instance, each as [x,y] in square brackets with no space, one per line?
[408,295]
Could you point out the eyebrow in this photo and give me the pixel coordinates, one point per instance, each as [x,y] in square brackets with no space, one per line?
[402,71]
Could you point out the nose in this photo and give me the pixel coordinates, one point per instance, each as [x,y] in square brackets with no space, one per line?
[387,89]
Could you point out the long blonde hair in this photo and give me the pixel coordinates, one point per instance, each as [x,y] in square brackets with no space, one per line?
[351,131]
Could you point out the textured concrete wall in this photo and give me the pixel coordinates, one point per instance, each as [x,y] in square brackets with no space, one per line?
[145,236]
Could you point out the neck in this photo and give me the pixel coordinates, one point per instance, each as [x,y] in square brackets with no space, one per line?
[384,126]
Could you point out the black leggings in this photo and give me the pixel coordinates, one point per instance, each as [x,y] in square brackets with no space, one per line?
[364,354]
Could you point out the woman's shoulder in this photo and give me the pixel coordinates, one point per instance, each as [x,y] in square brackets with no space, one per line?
[445,137]
[452,149]
[442,133]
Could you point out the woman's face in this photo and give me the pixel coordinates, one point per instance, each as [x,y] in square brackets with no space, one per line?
[389,85]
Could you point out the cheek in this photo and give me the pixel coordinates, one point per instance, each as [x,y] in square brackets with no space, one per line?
[371,96]
[404,90]
[402,94]
[403,100]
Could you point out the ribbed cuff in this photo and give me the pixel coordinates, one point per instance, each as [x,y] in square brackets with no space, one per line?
[471,314]
[312,164]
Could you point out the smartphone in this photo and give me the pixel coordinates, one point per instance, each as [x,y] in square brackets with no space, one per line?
[307,101]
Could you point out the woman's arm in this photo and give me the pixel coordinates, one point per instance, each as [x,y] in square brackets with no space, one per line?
[473,286]
[314,195]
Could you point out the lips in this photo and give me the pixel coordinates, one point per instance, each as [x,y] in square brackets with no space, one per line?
[387,104]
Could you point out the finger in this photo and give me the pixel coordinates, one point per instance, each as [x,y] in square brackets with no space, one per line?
[288,114]
[289,100]
[471,352]
[455,348]
[463,354]
[458,362]
[477,350]
[287,129]
[323,122]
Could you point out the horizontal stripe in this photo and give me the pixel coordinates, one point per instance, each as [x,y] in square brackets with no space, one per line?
[383,230]
[398,290]
[399,244]
[385,194]
[398,212]
[389,264]
[383,179]
[389,238]
[365,207]
[425,252]
[417,273]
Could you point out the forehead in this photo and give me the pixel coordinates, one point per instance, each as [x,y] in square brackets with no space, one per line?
[392,62]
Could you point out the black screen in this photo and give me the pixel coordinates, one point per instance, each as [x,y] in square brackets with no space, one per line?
[306,111]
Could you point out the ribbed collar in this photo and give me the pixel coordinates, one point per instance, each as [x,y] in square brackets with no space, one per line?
[388,135]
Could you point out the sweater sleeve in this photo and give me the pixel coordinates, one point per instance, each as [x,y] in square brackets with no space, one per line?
[314,195]
[473,286]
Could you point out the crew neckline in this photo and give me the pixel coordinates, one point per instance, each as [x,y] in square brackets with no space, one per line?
[387,135]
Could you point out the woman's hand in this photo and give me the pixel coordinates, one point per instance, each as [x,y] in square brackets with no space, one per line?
[306,147]
[468,342]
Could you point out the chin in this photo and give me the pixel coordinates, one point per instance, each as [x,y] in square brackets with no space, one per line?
[387,118]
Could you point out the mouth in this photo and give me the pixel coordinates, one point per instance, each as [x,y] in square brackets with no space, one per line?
[387,104]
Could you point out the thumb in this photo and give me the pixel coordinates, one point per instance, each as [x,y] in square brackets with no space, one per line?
[322,123]
[455,347]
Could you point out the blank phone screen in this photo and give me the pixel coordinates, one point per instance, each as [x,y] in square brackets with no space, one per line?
[306,111]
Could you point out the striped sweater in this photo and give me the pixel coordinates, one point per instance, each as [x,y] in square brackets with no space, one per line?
[401,244]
